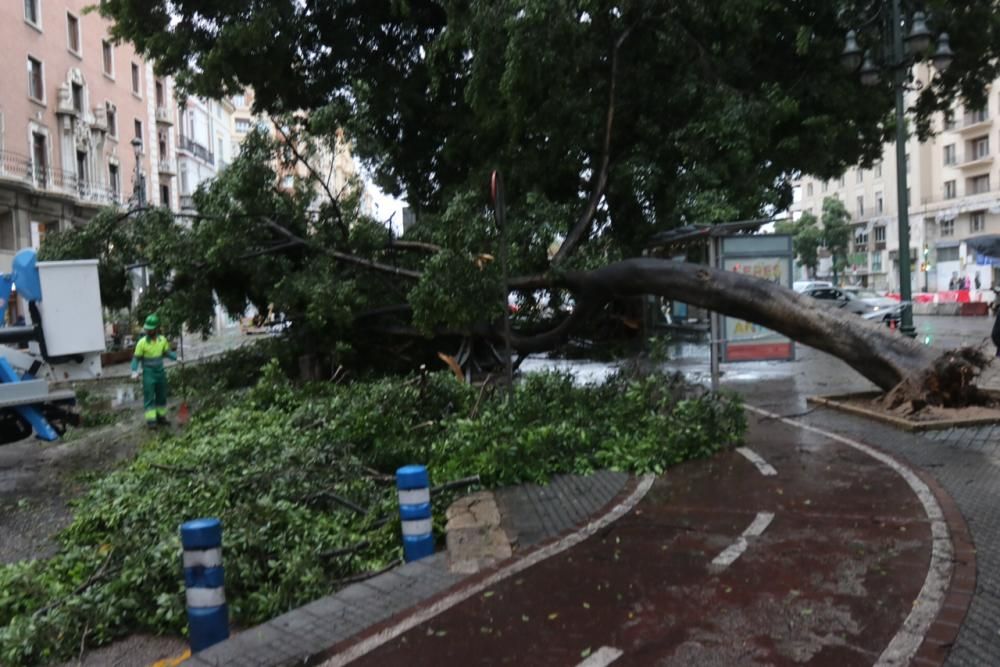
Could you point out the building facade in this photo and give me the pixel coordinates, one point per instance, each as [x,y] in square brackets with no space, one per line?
[71,103]
[954,194]
[204,144]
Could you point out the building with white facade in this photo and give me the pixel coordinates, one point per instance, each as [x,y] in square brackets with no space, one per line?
[204,144]
[954,194]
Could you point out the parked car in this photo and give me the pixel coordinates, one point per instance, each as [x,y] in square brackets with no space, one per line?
[877,301]
[803,285]
[879,308]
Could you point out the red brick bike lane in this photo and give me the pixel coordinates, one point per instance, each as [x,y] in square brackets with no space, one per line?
[719,564]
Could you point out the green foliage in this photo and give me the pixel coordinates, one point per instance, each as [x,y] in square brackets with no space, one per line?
[269,462]
[836,232]
[807,238]
[712,108]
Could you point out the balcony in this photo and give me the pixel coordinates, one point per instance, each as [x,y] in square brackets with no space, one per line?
[197,150]
[976,162]
[975,122]
[20,169]
[167,167]
[163,116]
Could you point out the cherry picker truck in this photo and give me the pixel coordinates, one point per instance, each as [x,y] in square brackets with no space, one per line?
[61,342]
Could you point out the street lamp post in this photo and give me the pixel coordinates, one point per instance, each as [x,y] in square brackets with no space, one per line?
[899,62]
[139,185]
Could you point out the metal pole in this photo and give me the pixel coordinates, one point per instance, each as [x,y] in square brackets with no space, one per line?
[902,205]
[500,212]
[713,320]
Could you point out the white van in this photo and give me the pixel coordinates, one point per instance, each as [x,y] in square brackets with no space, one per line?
[803,285]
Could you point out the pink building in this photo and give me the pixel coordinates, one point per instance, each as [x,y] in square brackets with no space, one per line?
[71,103]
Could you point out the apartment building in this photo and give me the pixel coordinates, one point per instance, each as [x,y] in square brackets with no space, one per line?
[71,103]
[953,193]
[204,144]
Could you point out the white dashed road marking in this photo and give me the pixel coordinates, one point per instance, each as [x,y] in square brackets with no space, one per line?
[763,466]
[602,657]
[736,549]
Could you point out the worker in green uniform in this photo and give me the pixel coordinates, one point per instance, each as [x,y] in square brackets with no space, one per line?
[150,351]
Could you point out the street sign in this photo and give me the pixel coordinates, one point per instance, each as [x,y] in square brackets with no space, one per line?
[768,257]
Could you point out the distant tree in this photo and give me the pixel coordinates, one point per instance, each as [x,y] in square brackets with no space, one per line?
[807,237]
[836,233]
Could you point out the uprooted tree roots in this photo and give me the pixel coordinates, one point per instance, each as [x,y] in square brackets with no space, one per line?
[949,382]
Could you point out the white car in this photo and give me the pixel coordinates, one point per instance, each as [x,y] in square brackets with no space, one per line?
[803,285]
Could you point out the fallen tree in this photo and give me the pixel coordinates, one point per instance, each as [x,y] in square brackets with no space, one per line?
[908,371]
[610,122]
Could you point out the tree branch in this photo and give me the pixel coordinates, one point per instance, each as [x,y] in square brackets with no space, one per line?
[343,256]
[333,200]
[586,219]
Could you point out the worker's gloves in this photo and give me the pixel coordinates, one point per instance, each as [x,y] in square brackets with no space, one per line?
[135,375]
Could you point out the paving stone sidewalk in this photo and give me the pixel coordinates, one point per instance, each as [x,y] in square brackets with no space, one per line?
[531,515]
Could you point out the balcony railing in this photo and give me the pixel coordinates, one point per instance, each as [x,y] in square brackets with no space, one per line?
[197,150]
[163,116]
[14,166]
[187,203]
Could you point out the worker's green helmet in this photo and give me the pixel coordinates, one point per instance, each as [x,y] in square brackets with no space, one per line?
[152,323]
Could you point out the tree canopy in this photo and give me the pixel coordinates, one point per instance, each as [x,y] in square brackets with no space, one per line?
[807,238]
[652,113]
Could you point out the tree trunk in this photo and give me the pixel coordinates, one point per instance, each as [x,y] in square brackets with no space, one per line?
[883,356]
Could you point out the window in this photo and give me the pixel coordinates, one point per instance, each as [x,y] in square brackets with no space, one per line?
[40,158]
[135,79]
[878,169]
[242,125]
[977,221]
[861,239]
[947,254]
[114,181]
[108,53]
[877,261]
[7,232]
[861,205]
[860,177]
[138,129]
[239,100]
[980,147]
[879,203]
[81,169]
[947,229]
[978,116]
[112,112]
[979,184]
[950,190]
[825,186]
[32,13]
[73,33]
[160,100]
[184,180]
[164,195]
[842,181]
[77,97]
[949,154]
[809,190]
[949,119]
[36,80]
[880,238]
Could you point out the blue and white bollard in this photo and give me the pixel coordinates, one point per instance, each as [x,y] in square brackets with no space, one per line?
[208,615]
[413,485]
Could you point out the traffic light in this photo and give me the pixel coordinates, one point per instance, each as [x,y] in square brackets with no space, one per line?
[927,258]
